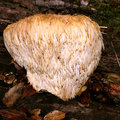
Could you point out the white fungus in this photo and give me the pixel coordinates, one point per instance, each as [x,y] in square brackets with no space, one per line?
[59,52]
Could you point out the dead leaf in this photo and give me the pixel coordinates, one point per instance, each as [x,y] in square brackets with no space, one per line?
[81,105]
[36,112]
[114,78]
[85,98]
[2,77]
[115,86]
[26,111]
[13,114]
[3,69]
[97,87]
[28,91]
[82,90]
[115,95]
[13,94]
[10,79]
[33,114]
[113,92]
[73,119]
[37,118]
[55,115]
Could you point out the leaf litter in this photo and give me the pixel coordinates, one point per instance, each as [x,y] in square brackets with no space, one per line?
[12,114]
[13,94]
[33,115]
[55,115]
[105,86]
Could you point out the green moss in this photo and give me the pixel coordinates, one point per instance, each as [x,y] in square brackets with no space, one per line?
[115,25]
[106,14]
[77,2]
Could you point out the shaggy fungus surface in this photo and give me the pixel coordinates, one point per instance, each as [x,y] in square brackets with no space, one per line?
[59,52]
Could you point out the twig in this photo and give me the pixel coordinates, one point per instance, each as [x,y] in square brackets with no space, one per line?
[115,54]
[103,27]
[116,40]
[103,33]
[7,21]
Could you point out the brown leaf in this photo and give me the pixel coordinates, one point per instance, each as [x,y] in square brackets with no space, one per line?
[55,115]
[82,90]
[10,79]
[33,114]
[115,86]
[28,91]
[2,70]
[115,95]
[2,77]
[112,92]
[13,114]
[26,111]
[97,87]
[114,78]
[85,98]
[37,118]
[13,94]
[36,112]
[73,119]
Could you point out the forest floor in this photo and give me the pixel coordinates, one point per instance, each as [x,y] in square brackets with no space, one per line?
[98,102]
